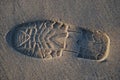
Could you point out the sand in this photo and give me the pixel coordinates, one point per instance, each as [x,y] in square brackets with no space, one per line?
[98,15]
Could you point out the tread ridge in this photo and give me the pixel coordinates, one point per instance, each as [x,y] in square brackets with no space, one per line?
[39,38]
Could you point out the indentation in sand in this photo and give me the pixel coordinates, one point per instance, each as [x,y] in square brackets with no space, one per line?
[47,39]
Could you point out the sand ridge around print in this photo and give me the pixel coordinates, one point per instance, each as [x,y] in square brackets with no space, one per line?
[47,39]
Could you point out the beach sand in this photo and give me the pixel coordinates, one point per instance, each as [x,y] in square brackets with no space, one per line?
[98,15]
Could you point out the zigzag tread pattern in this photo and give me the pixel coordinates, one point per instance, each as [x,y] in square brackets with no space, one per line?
[43,39]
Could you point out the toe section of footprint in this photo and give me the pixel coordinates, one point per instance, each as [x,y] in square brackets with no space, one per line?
[40,39]
[88,44]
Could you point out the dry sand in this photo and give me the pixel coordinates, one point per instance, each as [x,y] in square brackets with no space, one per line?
[102,15]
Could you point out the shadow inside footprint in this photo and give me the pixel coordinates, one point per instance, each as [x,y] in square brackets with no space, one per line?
[93,45]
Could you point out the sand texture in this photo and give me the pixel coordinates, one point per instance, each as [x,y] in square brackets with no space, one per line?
[59,40]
